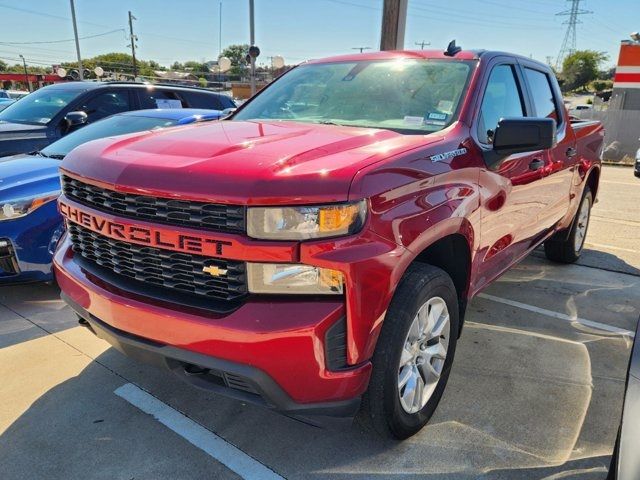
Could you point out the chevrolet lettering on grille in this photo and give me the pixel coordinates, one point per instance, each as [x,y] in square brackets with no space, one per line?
[143,235]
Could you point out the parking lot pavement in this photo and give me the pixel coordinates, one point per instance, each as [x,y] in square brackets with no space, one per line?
[535,391]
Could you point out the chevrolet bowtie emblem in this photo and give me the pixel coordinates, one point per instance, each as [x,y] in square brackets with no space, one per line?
[214,271]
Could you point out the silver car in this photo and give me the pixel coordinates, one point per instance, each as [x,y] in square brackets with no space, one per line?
[625,463]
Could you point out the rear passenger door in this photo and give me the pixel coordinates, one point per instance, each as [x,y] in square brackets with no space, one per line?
[560,161]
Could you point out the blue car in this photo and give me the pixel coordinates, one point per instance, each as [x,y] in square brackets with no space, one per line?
[30,224]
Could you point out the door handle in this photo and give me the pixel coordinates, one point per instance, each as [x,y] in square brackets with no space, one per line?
[571,152]
[536,164]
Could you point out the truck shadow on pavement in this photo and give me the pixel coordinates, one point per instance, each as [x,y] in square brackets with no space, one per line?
[79,429]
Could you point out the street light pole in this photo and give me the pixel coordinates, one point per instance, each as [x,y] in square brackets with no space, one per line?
[75,32]
[26,75]
[253,41]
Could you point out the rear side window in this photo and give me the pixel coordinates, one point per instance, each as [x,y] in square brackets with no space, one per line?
[160,98]
[202,100]
[502,98]
[542,94]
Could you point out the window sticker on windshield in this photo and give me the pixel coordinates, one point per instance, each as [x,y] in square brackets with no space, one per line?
[410,120]
[168,103]
[437,116]
[445,106]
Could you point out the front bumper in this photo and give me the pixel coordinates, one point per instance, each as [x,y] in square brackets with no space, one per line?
[243,382]
[33,239]
[273,346]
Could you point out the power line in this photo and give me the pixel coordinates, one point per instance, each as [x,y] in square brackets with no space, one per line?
[569,43]
[65,40]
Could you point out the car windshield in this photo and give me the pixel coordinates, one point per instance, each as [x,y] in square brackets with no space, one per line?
[39,107]
[115,125]
[405,95]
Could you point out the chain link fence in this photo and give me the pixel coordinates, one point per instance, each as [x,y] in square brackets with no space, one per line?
[622,129]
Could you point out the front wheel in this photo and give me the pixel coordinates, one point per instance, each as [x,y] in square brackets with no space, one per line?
[414,354]
[569,249]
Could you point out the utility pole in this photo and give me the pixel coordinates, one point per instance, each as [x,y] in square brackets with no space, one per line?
[220,32]
[394,19]
[361,48]
[133,39]
[569,42]
[253,41]
[75,33]
[26,74]
[422,44]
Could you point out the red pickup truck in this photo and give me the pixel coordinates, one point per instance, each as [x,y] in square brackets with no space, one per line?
[316,251]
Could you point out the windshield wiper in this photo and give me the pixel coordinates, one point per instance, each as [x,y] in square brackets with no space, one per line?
[330,122]
[40,153]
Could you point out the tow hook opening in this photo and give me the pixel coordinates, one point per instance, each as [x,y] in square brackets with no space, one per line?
[192,370]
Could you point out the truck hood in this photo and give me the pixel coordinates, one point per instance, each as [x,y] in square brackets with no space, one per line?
[240,162]
[23,175]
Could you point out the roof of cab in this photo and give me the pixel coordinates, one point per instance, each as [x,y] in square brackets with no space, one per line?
[421,54]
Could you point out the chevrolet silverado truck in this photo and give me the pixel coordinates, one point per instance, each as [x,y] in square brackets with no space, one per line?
[316,251]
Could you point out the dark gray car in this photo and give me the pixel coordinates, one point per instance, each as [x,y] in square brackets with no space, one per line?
[44,116]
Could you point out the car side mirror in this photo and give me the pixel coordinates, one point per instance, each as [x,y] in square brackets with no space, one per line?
[227,112]
[518,135]
[75,119]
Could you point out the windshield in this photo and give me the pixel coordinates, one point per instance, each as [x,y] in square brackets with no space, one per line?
[39,107]
[116,125]
[406,95]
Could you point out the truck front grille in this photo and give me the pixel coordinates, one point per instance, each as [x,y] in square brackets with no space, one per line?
[209,216]
[172,272]
[8,261]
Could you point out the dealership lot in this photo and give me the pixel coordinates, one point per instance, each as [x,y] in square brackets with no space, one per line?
[535,392]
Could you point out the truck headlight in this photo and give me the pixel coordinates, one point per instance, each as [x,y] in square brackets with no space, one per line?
[19,207]
[293,278]
[306,222]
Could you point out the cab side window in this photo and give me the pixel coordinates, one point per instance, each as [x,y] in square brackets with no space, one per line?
[105,104]
[542,94]
[502,98]
[160,98]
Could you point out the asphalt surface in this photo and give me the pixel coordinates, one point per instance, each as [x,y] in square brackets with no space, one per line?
[535,392]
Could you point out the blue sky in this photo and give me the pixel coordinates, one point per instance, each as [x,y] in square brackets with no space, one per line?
[170,30]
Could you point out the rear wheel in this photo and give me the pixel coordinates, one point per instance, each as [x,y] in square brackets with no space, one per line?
[413,357]
[568,250]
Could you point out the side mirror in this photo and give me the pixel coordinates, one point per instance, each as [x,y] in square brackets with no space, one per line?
[227,112]
[517,135]
[75,119]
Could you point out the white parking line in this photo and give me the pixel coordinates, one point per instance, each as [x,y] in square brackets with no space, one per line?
[610,247]
[215,446]
[560,316]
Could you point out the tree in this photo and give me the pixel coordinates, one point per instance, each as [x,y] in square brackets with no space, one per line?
[115,62]
[3,66]
[581,67]
[601,85]
[237,54]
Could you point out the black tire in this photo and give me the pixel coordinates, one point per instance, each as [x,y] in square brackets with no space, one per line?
[563,250]
[381,403]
